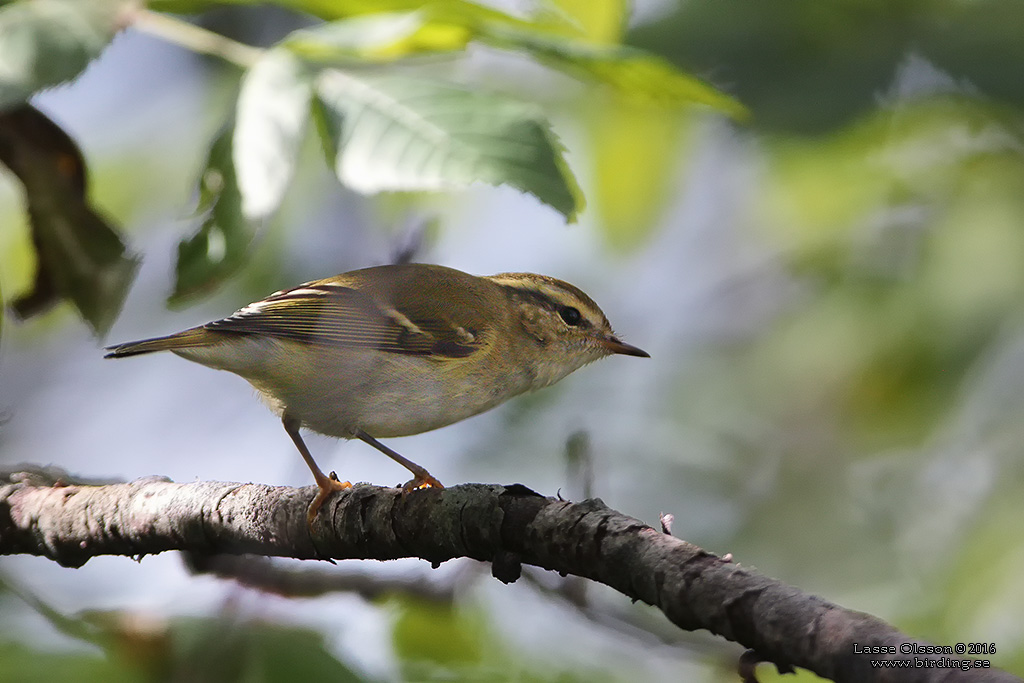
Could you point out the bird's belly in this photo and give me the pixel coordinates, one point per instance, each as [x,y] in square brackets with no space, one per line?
[396,397]
[338,391]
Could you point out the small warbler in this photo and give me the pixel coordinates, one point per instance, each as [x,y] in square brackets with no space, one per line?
[397,350]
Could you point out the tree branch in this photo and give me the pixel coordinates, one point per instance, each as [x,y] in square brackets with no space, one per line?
[504,525]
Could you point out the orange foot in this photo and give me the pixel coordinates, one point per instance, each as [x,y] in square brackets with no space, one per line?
[327,486]
[422,481]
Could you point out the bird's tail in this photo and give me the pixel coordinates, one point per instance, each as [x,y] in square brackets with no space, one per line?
[191,338]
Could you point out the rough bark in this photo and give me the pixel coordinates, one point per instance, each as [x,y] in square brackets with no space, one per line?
[504,525]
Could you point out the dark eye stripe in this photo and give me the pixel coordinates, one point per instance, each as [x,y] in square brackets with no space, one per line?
[544,300]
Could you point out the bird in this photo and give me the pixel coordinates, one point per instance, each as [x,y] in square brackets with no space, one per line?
[396,350]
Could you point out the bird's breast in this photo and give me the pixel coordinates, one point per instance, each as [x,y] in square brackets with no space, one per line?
[336,391]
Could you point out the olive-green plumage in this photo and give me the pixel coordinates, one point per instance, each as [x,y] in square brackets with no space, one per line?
[398,350]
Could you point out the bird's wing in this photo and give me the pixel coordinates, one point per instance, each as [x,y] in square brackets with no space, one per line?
[334,314]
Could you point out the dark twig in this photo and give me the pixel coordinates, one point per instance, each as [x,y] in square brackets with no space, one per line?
[262,573]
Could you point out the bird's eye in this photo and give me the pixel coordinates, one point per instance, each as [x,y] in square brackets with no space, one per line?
[570,315]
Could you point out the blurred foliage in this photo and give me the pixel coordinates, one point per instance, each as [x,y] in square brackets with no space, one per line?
[137,648]
[887,384]
[635,165]
[854,423]
[220,246]
[80,257]
[440,643]
[908,223]
[432,642]
[46,42]
[393,132]
[806,66]
[595,22]
[21,664]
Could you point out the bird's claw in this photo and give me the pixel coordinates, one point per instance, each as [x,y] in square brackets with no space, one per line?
[326,487]
[421,482]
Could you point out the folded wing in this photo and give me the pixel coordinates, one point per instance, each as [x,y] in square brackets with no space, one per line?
[334,314]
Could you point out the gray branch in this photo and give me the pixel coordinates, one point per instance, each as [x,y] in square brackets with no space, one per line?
[44,514]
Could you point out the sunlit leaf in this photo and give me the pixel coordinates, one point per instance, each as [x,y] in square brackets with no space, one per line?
[186,6]
[217,250]
[377,37]
[631,72]
[81,258]
[574,43]
[460,12]
[596,21]
[425,631]
[454,12]
[46,42]
[435,642]
[273,107]
[391,132]
[636,155]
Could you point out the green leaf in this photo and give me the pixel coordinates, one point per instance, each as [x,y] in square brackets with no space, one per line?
[217,250]
[596,21]
[378,37]
[435,642]
[224,649]
[636,155]
[273,106]
[391,132]
[460,12]
[439,634]
[80,257]
[453,12]
[46,42]
[631,72]
[25,664]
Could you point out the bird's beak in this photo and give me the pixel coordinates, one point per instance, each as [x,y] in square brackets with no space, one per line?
[614,345]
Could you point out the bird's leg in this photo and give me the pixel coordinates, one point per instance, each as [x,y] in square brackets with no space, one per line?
[421,478]
[327,485]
